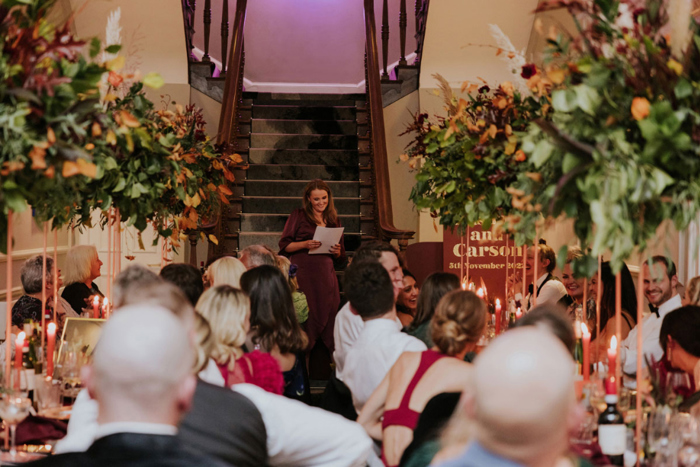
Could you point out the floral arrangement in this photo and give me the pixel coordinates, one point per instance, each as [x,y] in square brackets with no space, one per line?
[619,153]
[78,135]
[471,157]
[48,103]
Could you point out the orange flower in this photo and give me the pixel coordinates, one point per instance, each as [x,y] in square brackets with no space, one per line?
[520,155]
[640,108]
[115,79]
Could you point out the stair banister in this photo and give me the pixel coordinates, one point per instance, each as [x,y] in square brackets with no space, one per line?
[233,90]
[380,163]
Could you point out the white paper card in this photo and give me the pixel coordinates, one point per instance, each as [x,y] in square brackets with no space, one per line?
[328,236]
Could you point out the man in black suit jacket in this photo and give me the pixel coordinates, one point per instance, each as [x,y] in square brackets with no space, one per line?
[141,379]
[226,425]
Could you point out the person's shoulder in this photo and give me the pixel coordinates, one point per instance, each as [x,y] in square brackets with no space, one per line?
[411,343]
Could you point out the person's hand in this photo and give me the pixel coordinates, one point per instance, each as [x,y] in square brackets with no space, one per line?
[311,244]
[335,250]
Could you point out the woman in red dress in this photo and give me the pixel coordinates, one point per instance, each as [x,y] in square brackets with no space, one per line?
[315,273]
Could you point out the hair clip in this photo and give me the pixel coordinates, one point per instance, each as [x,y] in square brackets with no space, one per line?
[293,271]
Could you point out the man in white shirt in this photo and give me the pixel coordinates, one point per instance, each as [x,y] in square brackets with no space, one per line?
[549,289]
[349,325]
[370,292]
[660,282]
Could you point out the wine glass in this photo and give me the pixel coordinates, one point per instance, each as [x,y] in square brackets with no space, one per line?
[659,429]
[70,366]
[678,385]
[14,408]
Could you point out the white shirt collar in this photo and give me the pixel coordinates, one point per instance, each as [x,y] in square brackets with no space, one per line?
[135,427]
[542,279]
[670,305]
[378,323]
[211,374]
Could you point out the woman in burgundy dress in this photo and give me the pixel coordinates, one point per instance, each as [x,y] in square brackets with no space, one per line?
[316,273]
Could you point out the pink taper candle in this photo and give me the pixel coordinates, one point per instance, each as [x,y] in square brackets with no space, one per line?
[96,306]
[498,316]
[19,353]
[50,347]
[586,340]
[612,356]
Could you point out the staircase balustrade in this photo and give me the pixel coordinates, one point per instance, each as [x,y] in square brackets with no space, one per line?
[207,30]
[380,167]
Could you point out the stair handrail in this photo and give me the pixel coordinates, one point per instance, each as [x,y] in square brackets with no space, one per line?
[233,89]
[380,164]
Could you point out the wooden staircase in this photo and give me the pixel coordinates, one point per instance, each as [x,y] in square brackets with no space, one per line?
[288,140]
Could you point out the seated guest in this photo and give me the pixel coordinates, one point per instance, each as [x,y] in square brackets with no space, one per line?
[692,292]
[679,339]
[439,409]
[392,412]
[510,431]
[257,255]
[141,400]
[301,305]
[247,426]
[574,288]
[274,326]
[348,325]
[82,268]
[550,318]
[187,278]
[134,276]
[133,286]
[407,300]
[549,288]
[435,286]
[227,270]
[659,288]
[28,306]
[227,312]
[607,306]
[371,295]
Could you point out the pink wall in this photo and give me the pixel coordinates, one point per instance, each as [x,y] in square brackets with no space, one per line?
[306,42]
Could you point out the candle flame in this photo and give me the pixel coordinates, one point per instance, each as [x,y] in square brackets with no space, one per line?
[96,300]
[464,286]
[52,327]
[21,336]
[498,302]
[480,292]
[584,329]
[613,343]
[106,302]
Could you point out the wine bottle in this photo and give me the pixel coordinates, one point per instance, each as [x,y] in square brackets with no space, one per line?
[612,432]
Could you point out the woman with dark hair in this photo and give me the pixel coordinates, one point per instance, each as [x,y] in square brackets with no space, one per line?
[315,272]
[679,339]
[607,306]
[435,286]
[407,300]
[274,326]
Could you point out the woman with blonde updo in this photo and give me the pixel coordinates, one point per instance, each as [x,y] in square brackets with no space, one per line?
[227,270]
[227,310]
[392,412]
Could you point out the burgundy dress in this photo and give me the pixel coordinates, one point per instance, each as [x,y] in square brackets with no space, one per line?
[316,277]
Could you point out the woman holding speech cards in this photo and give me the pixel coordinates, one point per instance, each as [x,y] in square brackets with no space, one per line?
[316,272]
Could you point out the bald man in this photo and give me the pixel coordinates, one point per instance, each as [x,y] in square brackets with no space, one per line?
[521,402]
[141,400]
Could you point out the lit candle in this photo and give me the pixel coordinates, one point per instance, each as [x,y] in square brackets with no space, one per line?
[105,308]
[19,352]
[19,348]
[480,293]
[518,313]
[612,356]
[50,347]
[586,340]
[464,284]
[498,316]
[95,306]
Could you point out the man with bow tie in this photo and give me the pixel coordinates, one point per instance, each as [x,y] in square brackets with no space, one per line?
[660,282]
